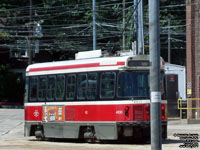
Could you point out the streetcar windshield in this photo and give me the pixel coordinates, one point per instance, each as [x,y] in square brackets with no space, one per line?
[133,84]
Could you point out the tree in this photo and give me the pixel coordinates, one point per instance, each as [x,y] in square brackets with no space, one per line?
[67,25]
[174,11]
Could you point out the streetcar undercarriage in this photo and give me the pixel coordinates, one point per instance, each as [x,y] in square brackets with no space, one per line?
[92,131]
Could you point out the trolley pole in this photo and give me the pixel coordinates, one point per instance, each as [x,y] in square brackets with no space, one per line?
[154,45]
[94,25]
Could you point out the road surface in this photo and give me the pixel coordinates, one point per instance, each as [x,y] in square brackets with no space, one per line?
[12,137]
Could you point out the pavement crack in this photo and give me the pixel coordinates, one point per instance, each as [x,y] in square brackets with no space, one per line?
[7,132]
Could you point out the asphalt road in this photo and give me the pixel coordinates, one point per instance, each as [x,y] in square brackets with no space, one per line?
[12,137]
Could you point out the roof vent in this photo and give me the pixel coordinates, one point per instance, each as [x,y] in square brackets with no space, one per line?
[88,54]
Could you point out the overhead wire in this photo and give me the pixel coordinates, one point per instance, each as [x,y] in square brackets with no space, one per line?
[59,28]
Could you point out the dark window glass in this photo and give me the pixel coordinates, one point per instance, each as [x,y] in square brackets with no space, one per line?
[51,88]
[134,84]
[60,87]
[107,84]
[26,94]
[33,88]
[92,86]
[42,88]
[81,86]
[163,86]
[70,87]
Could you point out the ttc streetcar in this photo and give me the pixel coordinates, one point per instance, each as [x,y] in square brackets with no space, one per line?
[92,98]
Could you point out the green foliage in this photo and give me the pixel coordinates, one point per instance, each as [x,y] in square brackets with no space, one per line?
[67,25]
[177,26]
[176,14]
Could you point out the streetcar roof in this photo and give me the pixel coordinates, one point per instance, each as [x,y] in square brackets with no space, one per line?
[82,65]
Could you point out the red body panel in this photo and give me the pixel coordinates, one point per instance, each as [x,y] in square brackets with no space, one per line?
[96,113]
[136,112]
[33,113]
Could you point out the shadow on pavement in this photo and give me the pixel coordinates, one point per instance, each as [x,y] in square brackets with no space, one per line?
[171,141]
[135,142]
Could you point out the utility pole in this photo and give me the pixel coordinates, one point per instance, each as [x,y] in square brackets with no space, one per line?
[140,28]
[169,42]
[123,40]
[136,24]
[154,45]
[30,34]
[94,24]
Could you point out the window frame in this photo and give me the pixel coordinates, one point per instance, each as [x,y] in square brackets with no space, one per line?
[74,85]
[147,72]
[78,87]
[95,76]
[29,93]
[63,96]
[42,99]
[53,98]
[96,90]
[100,85]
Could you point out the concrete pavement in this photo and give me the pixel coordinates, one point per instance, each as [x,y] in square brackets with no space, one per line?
[12,136]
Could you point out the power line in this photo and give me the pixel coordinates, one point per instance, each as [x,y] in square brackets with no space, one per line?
[106,26]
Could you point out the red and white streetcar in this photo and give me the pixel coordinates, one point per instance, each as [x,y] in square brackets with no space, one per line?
[92,97]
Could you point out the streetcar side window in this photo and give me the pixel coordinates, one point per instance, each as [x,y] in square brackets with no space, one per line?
[148,84]
[42,88]
[70,87]
[51,88]
[133,84]
[126,84]
[107,87]
[92,86]
[141,85]
[60,87]
[33,88]
[81,86]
